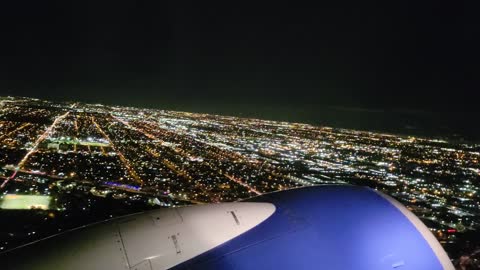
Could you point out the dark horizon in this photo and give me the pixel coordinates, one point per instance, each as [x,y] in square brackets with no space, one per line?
[389,121]
[404,67]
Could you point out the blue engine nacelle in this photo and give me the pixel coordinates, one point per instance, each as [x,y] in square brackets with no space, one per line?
[322,227]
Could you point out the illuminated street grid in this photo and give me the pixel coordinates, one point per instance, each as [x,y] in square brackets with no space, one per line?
[172,158]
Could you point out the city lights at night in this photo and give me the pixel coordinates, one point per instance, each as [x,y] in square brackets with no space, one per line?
[174,135]
[84,155]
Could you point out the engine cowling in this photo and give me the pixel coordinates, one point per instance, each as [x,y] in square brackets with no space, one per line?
[322,227]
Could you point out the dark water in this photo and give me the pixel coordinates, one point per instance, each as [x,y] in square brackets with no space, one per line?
[454,126]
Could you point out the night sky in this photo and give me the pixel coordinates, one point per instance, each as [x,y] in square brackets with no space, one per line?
[403,66]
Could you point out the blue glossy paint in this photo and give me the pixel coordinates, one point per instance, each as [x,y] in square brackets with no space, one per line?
[325,227]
